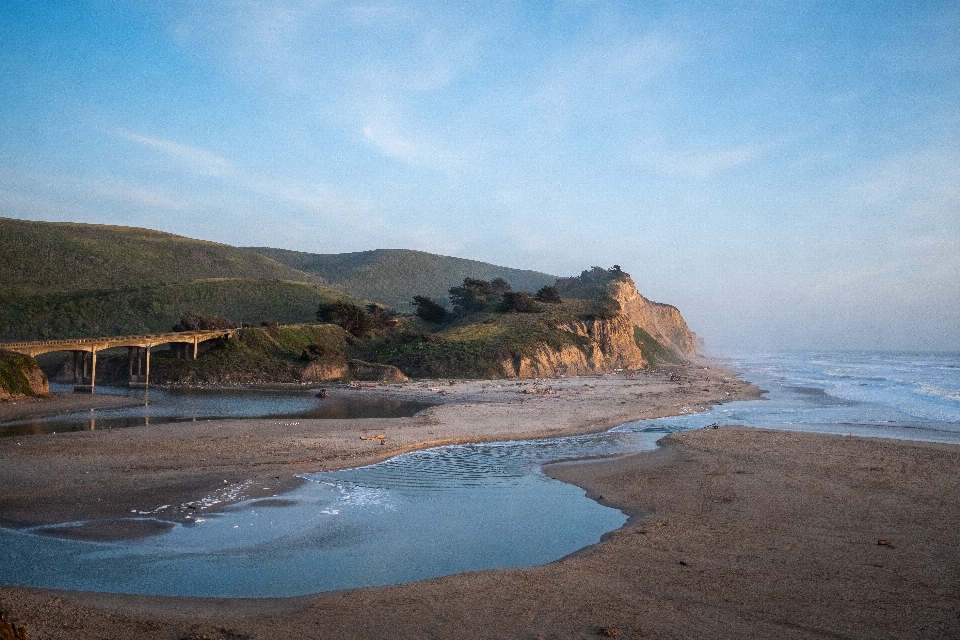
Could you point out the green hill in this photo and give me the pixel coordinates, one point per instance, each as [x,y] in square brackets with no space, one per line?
[393,276]
[156,309]
[60,280]
[48,257]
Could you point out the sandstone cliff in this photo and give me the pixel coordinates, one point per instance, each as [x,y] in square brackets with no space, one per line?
[610,344]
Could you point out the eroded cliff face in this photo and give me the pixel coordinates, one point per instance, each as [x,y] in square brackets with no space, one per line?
[662,321]
[611,344]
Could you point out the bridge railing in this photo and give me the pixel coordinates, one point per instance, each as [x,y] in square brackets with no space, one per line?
[84,346]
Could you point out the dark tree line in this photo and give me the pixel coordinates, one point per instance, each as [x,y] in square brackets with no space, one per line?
[480,295]
[354,318]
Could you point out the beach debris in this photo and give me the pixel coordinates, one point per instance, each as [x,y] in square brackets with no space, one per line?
[376,437]
[608,632]
[712,426]
[323,394]
[885,543]
[11,630]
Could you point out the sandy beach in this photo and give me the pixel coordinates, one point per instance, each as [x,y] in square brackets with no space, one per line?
[733,532]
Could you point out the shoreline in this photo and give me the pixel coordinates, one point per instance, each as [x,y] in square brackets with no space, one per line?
[732,532]
[107,475]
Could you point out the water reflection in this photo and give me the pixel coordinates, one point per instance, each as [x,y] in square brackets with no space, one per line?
[163,406]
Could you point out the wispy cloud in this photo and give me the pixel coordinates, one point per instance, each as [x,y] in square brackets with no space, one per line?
[413,149]
[922,183]
[698,164]
[199,160]
[139,196]
[78,188]
[315,197]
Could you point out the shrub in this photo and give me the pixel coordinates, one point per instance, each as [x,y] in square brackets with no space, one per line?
[430,310]
[500,286]
[473,295]
[548,294]
[349,316]
[202,322]
[518,301]
[380,319]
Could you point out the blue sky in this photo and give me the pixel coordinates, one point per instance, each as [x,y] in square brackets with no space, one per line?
[787,173]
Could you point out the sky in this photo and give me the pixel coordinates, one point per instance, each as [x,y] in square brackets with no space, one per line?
[785,172]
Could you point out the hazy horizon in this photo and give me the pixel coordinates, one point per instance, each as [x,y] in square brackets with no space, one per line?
[787,174]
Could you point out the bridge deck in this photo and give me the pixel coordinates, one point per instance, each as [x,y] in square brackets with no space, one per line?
[84,346]
[37,347]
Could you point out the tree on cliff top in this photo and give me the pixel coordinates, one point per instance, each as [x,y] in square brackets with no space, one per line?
[519,302]
[202,322]
[474,295]
[349,316]
[548,294]
[429,309]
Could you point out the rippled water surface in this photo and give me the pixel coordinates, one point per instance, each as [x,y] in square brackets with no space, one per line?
[469,507]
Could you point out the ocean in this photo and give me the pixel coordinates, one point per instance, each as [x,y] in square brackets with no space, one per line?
[905,395]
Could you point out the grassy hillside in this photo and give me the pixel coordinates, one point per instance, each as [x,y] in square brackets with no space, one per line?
[484,343]
[156,309]
[393,276]
[50,257]
[259,354]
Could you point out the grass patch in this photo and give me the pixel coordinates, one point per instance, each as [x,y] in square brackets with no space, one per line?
[258,354]
[483,345]
[47,257]
[13,373]
[652,350]
[157,309]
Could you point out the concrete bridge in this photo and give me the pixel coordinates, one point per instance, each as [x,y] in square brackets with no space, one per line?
[138,352]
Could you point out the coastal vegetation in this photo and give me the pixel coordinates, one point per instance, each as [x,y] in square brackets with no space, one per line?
[155,309]
[20,376]
[73,280]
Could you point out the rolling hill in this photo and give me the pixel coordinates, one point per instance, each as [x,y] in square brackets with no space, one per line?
[61,280]
[47,257]
[393,276]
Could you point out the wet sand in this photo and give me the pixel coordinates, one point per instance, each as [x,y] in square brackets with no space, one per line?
[189,467]
[733,532]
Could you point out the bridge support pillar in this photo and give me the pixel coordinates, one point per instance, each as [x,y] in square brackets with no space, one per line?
[93,369]
[80,385]
[146,379]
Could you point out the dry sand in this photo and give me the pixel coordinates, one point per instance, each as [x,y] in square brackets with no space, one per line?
[734,532]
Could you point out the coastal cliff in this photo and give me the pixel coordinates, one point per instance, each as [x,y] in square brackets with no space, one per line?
[640,334]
